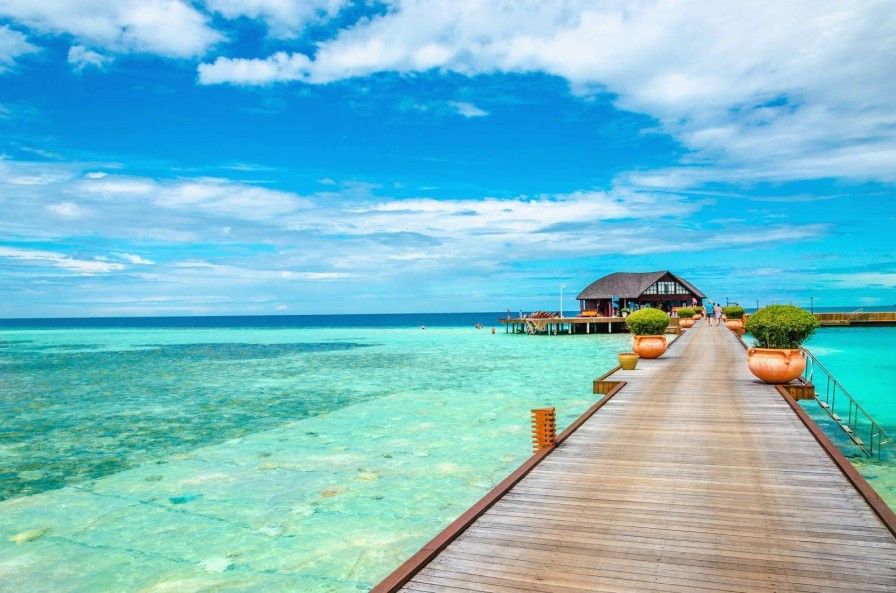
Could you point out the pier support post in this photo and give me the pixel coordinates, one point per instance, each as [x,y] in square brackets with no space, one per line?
[544,429]
[801,391]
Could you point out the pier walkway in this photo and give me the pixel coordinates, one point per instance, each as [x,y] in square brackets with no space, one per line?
[692,477]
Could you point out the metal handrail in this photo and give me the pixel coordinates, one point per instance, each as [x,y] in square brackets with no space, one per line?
[856,314]
[877,436]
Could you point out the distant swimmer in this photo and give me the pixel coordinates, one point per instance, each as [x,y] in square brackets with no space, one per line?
[493,331]
[422,327]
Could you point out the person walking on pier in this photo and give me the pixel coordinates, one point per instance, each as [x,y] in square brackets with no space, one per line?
[717,313]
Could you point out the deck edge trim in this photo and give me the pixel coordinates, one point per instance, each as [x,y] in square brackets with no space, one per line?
[867,492]
[410,567]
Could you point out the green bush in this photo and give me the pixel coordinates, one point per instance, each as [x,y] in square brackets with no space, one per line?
[686,312]
[733,312]
[647,322]
[781,326]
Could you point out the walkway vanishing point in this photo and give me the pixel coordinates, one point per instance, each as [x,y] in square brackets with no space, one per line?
[692,476]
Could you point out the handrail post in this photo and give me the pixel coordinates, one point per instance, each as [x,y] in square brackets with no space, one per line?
[853,410]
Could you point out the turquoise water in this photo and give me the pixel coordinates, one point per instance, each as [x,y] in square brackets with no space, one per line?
[861,358]
[260,459]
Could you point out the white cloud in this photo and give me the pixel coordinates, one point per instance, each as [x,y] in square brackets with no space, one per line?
[32,174]
[279,67]
[134,259]
[206,237]
[467,109]
[13,44]
[796,90]
[80,58]
[352,227]
[166,27]
[66,210]
[284,18]
[59,260]
[209,196]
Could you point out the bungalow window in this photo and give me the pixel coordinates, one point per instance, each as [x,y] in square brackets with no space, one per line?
[665,288]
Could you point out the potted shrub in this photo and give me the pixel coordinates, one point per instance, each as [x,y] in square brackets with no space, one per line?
[686,317]
[648,327]
[733,316]
[627,360]
[698,312]
[779,330]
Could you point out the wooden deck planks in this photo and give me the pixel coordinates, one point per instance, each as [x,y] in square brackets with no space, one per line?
[694,477]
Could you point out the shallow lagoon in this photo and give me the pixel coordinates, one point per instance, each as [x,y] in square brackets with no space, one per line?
[283,459]
[247,459]
[861,358]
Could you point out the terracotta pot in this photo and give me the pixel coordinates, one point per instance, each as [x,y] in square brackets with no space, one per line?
[686,323]
[627,360]
[774,365]
[698,316]
[649,346]
[734,324]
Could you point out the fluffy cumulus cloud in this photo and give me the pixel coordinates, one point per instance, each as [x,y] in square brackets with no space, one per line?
[770,90]
[280,66]
[80,58]
[12,45]
[173,28]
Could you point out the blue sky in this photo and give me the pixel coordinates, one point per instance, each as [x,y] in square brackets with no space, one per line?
[166,157]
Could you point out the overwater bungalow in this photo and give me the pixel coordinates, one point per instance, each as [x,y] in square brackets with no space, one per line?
[608,296]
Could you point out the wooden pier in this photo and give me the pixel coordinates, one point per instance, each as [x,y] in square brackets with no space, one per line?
[856,318]
[595,325]
[688,475]
[566,325]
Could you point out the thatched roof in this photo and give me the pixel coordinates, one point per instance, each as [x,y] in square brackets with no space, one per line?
[629,285]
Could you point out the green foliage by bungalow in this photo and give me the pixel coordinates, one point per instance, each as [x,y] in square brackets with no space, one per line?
[647,322]
[686,313]
[781,326]
[733,312]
